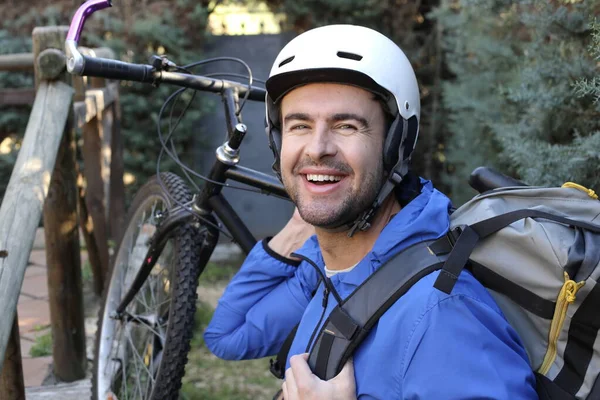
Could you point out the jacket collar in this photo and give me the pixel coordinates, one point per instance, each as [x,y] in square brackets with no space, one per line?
[426,217]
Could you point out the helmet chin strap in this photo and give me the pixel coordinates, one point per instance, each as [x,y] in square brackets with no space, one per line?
[364,220]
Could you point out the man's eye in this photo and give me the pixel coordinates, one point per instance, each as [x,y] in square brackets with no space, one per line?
[346,127]
[298,127]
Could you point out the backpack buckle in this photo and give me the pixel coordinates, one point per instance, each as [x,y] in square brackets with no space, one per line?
[454,234]
[276,369]
[445,244]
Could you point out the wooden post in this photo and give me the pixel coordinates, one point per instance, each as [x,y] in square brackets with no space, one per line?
[105,115]
[95,171]
[12,385]
[105,120]
[85,220]
[16,62]
[94,203]
[61,230]
[29,183]
[116,215]
[97,153]
[17,97]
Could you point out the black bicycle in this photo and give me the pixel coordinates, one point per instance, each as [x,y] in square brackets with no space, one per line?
[146,320]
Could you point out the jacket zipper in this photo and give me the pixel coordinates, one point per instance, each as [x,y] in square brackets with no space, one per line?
[329,288]
[324,303]
[565,297]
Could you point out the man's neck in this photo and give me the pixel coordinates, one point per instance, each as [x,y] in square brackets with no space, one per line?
[340,251]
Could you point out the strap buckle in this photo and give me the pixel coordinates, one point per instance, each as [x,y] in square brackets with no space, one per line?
[276,369]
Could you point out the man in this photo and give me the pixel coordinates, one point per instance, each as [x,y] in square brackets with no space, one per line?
[343,113]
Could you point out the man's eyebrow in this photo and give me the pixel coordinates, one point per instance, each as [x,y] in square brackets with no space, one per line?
[347,116]
[297,117]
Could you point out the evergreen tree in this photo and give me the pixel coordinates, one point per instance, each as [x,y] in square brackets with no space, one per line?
[135,33]
[512,103]
[591,87]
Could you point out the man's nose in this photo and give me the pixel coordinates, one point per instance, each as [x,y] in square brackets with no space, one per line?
[321,143]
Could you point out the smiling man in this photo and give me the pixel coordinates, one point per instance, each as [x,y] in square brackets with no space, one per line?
[343,118]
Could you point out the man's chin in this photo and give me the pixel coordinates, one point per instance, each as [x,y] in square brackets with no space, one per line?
[327,221]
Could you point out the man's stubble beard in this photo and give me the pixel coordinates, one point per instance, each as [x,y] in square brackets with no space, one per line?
[357,200]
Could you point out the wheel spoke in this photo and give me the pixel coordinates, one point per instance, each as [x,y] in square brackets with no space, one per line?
[151,329]
[138,360]
[132,348]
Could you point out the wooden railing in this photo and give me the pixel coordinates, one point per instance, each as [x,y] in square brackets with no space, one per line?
[46,180]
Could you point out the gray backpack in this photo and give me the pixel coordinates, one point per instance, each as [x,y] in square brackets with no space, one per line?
[537,250]
[541,268]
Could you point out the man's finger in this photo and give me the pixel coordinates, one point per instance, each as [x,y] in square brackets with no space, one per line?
[290,381]
[345,381]
[284,391]
[302,372]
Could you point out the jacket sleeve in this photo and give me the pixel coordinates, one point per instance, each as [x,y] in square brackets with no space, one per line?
[463,349]
[260,306]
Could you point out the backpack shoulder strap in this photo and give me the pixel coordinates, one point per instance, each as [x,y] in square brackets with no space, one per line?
[350,322]
[277,366]
[470,235]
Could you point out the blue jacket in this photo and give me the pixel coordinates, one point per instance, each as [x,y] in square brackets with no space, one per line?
[428,345]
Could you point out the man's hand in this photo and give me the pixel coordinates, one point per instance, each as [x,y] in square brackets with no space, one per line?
[292,236]
[301,384]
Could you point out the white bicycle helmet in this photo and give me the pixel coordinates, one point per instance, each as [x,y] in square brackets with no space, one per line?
[357,56]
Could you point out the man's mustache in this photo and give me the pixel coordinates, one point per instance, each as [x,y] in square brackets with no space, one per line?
[330,164]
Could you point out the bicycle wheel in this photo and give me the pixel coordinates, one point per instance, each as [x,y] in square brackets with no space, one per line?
[143,355]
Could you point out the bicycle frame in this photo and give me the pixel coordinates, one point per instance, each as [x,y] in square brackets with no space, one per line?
[210,200]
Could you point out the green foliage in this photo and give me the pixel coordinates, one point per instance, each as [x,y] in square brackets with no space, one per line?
[135,38]
[135,33]
[204,313]
[208,377]
[42,346]
[587,87]
[512,103]
[87,275]
[216,272]
[13,119]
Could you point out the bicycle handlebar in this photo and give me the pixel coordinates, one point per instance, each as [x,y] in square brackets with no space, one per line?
[114,69]
[483,179]
[79,64]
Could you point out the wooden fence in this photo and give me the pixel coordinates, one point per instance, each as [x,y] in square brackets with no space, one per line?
[47,179]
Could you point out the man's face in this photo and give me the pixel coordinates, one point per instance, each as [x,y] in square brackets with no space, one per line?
[331,154]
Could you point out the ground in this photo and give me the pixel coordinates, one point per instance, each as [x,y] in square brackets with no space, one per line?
[207,377]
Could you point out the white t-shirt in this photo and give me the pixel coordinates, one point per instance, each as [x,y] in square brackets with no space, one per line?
[332,272]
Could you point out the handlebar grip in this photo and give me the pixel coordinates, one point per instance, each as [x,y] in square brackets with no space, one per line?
[483,179]
[114,69]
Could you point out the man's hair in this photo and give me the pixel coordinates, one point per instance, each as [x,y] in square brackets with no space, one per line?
[387,113]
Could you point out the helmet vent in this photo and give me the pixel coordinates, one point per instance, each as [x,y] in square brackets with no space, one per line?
[286,61]
[351,56]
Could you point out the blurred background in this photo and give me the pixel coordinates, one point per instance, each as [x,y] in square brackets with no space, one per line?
[507,84]
[513,85]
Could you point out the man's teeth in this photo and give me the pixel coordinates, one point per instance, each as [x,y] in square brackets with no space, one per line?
[323,178]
